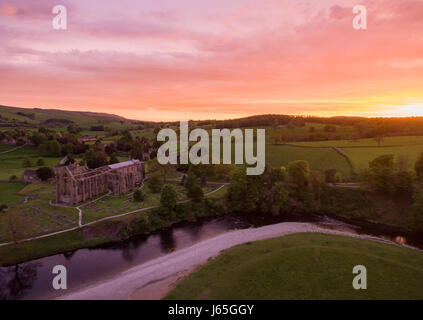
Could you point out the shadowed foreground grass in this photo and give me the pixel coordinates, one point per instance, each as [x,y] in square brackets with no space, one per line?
[306,266]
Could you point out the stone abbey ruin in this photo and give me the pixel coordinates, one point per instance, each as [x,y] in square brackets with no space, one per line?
[75,183]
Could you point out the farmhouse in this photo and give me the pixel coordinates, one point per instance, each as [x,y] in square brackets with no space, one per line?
[30,176]
[8,141]
[87,139]
[75,183]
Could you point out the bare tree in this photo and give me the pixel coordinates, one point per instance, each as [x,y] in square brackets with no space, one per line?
[17,225]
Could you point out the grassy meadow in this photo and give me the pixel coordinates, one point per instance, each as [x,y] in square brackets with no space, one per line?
[306,266]
[11,163]
[9,192]
[362,151]
[361,157]
[39,215]
[320,159]
[357,143]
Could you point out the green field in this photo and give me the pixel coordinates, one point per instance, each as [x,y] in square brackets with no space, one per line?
[361,157]
[11,163]
[342,131]
[388,141]
[362,151]
[9,192]
[320,159]
[306,266]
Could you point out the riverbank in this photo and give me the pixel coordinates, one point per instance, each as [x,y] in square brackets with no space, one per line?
[158,275]
[306,266]
[116,231]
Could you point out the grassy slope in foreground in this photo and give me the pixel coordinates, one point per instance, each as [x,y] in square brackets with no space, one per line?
[307,266]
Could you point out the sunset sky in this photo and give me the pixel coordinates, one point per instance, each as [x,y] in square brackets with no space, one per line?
[197,59]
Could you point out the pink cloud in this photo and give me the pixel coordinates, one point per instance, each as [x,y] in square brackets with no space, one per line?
[233,61]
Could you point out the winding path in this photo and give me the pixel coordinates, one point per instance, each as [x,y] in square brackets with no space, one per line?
[153,279]
[13,149]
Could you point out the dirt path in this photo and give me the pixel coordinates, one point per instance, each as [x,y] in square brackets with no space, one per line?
[13,149]
[153,279]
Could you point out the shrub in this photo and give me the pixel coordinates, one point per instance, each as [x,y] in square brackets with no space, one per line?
[330,176]
[155,220]
[27,162]
[113,159]
[299,173]
[139,195]
[54,149]
[169,197]
[387,176]
[155,182]
[20,142]
[45,173]
[40,162]
[195,193]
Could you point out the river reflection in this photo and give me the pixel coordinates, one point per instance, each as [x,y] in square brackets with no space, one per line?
[400,240]
[17,280]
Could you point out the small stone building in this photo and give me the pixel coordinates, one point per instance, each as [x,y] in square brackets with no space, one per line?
[8,141]
[30,176]
[75,183]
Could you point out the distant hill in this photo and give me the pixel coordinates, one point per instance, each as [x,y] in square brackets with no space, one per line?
[14,116]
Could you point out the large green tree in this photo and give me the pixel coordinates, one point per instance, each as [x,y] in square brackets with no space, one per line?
[169,197]
[54,149]
[95,159]
[389,176]
[299,173]
[45,173]
[155,182]
[244,191]
[381,174]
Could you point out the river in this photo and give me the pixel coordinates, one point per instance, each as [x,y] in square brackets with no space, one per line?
[33,279]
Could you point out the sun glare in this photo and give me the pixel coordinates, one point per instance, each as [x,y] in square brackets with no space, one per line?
[407,110]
